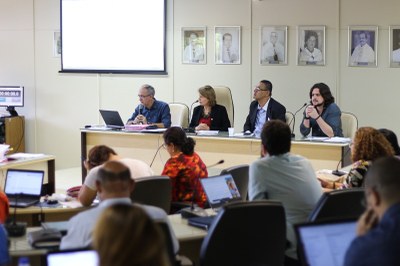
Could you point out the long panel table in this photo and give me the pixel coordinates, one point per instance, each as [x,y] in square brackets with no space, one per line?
[233,150]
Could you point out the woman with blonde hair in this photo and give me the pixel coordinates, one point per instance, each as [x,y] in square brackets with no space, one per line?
[126,236]
[367,146]
[209,115]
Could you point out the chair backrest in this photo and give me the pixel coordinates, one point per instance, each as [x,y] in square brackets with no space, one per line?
[349,124]
[246,233]
[290,120]
[240,174]
[153,190]
[168,241]
[337,204]
[224,97]
[179,114]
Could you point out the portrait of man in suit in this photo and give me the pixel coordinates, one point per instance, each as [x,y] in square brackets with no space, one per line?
[273,45]
[227,45]
[362,48]
[194,51]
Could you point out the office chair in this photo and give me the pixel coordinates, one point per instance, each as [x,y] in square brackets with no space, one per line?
[240,174]
[224,97]
[342,203]
[179,114]
[153,190]
[246,233]
[349,124]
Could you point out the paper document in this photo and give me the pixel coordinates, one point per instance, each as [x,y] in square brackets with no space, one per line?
[21,155]
[338,140]
[207,132]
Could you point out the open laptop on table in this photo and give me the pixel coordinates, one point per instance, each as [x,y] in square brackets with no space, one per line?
[112,119]
[326,242]
[73,257]
[23,187]
[219,190]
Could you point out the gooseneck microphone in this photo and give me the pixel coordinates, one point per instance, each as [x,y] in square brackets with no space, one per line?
[337,172]
[158,149]
[294,118]
[13,228]
[191,107]
[194,210]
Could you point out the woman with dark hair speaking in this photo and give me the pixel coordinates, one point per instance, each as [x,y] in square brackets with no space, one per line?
[184,168]
[209,115]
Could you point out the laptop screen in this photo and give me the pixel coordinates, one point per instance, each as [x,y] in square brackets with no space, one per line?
[325,243]
[73,257]
[27,182]
[220,189]
[112,119]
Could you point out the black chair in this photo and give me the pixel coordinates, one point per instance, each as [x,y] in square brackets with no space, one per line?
[240,174]
[153,190]
[343,203]
[246,233]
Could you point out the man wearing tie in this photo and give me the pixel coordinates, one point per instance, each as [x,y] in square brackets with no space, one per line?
[273,51]
[263,108]
[229,54]
[194,52]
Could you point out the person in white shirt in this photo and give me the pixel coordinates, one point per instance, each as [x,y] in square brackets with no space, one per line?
[273,51]
[229,54]
[194,52]
[363,53]
[310,53]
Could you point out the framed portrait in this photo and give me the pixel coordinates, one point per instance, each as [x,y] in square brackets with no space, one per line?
[194,45]
[227,45]
[273,45]
[363,42]
[394,50]
[56,44]
[311,45]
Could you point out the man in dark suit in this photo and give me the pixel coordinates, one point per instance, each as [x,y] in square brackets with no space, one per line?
[263,108]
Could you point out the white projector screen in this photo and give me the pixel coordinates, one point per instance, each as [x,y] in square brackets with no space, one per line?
[113,36]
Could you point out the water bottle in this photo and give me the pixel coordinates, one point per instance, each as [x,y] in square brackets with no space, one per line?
[23,261]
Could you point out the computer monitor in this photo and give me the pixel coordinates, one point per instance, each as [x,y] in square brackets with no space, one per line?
[11,97]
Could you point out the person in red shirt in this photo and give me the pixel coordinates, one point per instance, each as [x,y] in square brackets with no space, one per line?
[4,207]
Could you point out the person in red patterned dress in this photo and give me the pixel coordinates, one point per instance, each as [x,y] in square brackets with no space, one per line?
[185,167]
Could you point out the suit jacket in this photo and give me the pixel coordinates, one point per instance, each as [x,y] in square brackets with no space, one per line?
[275,111]
[219,117]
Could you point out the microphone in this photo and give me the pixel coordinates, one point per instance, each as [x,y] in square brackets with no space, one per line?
[158,149]
[140,109]
[294,118]
[337,172]
[194,210]
[13,228]
[191,107]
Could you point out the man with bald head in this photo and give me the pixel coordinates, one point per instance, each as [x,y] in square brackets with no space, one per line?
[114,185]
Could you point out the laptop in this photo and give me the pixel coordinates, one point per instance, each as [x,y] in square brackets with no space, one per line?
[219,190]
[73,257]
[23,187]
[325,243]
[112,119]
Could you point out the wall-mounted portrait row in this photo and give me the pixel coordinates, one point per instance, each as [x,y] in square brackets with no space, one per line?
[362,45]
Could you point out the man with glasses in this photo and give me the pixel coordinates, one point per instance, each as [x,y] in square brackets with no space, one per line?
[150,110]
[262,109]
[378,229]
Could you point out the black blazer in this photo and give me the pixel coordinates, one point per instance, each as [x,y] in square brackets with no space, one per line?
[275,111]
[219,117]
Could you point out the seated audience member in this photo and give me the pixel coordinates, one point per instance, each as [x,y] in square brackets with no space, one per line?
[184,168]
[150,110]
[4,255]
[209,115]
[96,157]
[4,207]
[322,116]
[263,108]
[378,230]
[125,235]
[392,138]
[280,175]
[114,184]
[367,146]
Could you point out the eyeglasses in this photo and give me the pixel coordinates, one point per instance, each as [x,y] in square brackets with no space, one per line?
[257,89]
[143,96]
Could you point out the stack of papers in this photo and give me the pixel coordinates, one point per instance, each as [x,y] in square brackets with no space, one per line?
[207,132]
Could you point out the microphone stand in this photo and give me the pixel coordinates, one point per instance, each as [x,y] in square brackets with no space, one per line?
[15,229]
[294,119]
[194,210]
[337,172]
[158,149]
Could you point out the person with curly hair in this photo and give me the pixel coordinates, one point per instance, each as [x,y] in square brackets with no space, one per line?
[367,146]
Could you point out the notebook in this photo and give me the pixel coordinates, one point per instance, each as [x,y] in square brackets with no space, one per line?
[23,187]
[112,119]
[220,190]
[325,243]
[73,257]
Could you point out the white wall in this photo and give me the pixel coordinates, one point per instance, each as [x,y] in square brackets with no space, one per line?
[57,105]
